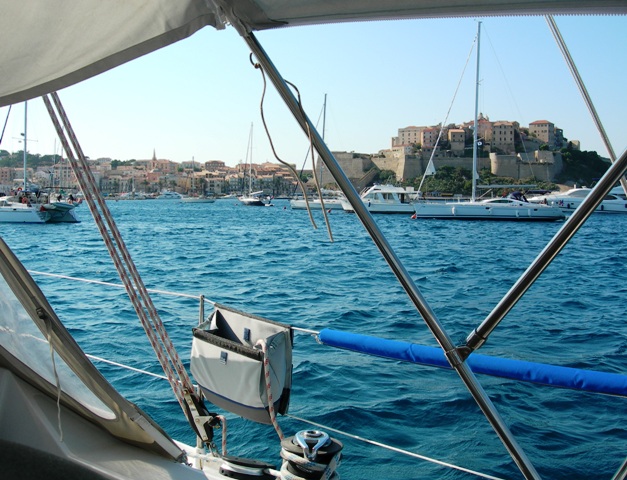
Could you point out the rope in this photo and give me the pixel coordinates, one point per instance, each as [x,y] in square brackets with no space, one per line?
[222,419]
[320,470]
[165,351]
[56,377]
[311,148]
[266,368]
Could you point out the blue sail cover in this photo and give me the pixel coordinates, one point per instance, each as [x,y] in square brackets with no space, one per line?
[565,377]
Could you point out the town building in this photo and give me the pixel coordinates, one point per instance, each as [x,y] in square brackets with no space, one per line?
[543,130]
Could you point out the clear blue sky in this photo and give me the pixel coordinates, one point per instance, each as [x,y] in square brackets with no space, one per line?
[198,98]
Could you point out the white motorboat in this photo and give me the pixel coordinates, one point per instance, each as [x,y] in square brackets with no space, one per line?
[619,191]
[18,212]
[132,196]
[169,195]
[27,207]
[569,200]
[384,199]
[61,418]
[331,199]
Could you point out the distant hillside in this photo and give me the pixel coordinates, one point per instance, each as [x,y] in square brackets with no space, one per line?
[458,180]
[16,159]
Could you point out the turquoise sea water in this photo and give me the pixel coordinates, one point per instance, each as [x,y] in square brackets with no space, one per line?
[271,262]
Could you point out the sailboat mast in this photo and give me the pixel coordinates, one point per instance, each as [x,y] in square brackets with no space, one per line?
[324,115]
[475,133]
[324,123]
[25,135]
[250,164]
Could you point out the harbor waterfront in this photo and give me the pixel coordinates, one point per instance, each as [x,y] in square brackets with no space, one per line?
[271,262]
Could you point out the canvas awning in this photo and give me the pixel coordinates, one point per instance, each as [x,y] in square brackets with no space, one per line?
[51,44]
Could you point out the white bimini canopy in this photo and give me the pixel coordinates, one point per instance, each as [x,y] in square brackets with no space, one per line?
[48,45]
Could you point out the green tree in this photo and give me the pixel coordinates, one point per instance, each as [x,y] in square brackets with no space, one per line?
[581,167]
[385,176]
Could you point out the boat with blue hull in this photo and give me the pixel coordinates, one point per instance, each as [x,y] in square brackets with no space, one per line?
[61,416]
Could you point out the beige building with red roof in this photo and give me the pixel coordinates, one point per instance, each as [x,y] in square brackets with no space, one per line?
[543,130]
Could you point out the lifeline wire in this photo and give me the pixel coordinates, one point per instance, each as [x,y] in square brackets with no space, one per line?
[394,449]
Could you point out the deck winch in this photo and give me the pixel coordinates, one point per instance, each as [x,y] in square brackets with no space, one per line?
[310,454]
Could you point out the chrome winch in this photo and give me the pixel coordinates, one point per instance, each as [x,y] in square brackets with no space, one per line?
[311,454]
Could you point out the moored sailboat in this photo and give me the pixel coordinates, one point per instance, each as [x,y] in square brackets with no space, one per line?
[26,206]
[487,209]
[251,199]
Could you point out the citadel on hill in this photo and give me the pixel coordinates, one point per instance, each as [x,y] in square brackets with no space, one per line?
[506,149]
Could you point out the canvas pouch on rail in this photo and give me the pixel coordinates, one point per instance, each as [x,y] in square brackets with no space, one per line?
[228,365]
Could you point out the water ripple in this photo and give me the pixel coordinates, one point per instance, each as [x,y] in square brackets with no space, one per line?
[272,263]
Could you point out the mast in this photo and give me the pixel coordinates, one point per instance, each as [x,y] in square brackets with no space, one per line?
[324,122]
[474,139]
[250,165]
[25,126]
[324,115]
[193,182]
